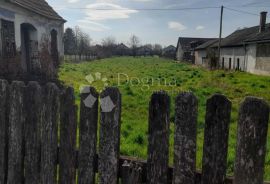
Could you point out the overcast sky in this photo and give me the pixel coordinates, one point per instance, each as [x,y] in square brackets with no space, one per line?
[127,17]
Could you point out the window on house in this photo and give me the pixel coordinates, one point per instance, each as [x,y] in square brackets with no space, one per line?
[230,63]
[8,39]
[223,62]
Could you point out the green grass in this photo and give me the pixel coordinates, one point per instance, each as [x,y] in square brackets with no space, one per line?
[162,74]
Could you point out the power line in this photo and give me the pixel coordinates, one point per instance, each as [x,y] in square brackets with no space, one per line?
[241,11]
[141,9]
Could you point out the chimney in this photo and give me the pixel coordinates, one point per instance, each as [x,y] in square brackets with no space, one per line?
[263,21]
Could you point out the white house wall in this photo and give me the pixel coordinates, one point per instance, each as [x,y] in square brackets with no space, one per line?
[233,53]
[179,53]
[199,55]
[42,25]
[250,58]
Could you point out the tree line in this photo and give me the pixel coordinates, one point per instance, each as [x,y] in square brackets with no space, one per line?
[78,43]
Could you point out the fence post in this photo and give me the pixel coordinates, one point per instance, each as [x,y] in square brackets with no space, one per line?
[15,134]
[251,141]
[49,129]
[88,135]
[218,112]
[109,143]
[186,112]
[4,128]
[33,105]
[158,138]
[68,129]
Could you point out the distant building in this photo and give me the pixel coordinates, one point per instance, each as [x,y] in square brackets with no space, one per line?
[169,52]
[144,51]
[186,47]
[246,49]
[204,53]
[28,27]
[122,50]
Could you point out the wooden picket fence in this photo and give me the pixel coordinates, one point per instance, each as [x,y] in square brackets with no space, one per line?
[39,129]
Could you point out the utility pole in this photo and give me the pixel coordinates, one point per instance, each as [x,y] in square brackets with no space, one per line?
[220,35]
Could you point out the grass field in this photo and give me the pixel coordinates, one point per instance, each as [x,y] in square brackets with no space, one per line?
[137,78]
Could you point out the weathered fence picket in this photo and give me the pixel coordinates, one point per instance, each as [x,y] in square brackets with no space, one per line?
[88,135]
[251,145]
[186,112]
[4,91]
[68,130]
[131,173]
[31,147]
[216,134]
[49,130]
[109,141]
[15,133]
[33,105]
[158,138]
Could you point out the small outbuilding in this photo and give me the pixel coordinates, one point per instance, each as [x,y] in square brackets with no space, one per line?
[31,39]
[169,52]
[185,50]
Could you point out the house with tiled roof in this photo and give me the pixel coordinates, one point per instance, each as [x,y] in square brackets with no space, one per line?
[245,49]
[31,39]
[203,52]
[186,47]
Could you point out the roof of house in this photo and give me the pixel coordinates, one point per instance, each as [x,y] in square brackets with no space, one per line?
[239,37]
[38,6]
[122,46]
[207,44]
[169,48]
[186,42]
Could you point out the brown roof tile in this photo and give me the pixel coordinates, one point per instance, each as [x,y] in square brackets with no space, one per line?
[40,7]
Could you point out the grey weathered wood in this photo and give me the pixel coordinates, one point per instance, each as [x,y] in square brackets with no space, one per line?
[158,138]
[3,129]
[218,112]
[33,104]
[251,141]
[109,142]
[88,136]
[131,173]
[15,137]
[49,129]
[68,129]
[186,112]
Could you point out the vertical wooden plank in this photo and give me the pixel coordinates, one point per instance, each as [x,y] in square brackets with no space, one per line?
[158,138]
[88,135]
[109,142]
[3,128]
[216,133]
[33,104]
[68,129]
[186,112]
[49,129]
[15,137]
[251,141]
[131,173]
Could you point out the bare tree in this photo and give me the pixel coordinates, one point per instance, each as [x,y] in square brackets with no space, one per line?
[134,44]
[157,48]
[108,41]
[108,46]
[82,42]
